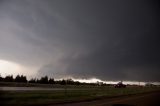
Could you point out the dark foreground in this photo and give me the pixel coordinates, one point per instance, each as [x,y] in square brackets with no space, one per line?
[145,99]
[79,96]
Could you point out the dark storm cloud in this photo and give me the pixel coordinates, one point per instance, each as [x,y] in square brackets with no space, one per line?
[110,40]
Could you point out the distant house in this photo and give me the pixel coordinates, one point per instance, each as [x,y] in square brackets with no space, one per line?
[120,85]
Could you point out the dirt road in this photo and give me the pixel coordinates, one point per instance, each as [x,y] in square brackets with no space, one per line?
[147,99]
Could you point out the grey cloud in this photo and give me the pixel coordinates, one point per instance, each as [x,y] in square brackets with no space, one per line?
[110,40]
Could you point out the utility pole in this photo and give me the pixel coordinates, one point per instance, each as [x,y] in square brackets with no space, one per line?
[66,88]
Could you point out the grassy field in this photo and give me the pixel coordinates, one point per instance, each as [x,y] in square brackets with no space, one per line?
[79,93]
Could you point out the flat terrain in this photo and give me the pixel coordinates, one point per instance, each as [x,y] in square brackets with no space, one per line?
[72,95]
[29,89]
[145,99]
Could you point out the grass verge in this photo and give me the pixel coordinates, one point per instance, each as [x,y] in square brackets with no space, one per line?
[62,96]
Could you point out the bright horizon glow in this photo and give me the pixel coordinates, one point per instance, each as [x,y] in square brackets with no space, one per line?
[95,80]
[9,68]
[12,68]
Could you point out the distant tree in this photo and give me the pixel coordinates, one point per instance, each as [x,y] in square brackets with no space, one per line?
[20,78]
[1,78]
[57,82]
[23,78]
[9,78]
[77,83]
[44,80]
[32,80]
[63,82]
[70,81]
[149,84]
[38,81]
[51,81]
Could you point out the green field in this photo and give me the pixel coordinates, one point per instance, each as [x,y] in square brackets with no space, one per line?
[69,94]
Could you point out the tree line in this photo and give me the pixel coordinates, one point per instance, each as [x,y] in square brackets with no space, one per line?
[18,78]
[42,80]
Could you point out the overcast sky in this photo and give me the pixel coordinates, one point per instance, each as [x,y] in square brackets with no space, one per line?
[104,39]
